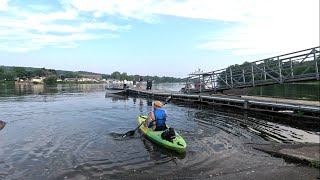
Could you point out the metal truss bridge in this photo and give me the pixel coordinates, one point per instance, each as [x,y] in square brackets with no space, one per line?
[292,67]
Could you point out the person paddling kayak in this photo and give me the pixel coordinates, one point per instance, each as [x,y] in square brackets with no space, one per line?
[157,118]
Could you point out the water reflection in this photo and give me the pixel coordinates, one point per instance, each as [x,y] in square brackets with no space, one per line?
[249,125]
[149,102]
[141,105]
[39,89]
[134,99]
[159,153]
[117,97]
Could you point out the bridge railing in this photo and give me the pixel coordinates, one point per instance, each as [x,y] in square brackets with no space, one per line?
[295,66]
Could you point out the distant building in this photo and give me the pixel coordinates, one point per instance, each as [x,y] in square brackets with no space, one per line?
[71,79]
[92,76]
[38,79]
[88,80]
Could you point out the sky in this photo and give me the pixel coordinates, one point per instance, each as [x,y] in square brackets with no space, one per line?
[152,37]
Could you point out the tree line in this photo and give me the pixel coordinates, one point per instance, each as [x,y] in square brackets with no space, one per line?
[124,76]
[22,73]
[10,73]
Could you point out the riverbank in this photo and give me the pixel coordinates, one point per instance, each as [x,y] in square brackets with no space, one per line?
[307,154]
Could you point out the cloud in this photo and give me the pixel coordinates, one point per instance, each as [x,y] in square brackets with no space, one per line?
[251,27]
[4,5]
[273,27]
[136,9]
[147,10]
[24,41]
[27,28]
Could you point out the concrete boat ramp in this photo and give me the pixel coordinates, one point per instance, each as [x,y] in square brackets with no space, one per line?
[308,154]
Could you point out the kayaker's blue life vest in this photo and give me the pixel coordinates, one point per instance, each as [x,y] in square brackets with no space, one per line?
[160,117]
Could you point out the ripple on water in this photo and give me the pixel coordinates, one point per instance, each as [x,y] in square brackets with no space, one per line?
[77,135]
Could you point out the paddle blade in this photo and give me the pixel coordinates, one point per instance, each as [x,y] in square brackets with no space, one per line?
[129,133]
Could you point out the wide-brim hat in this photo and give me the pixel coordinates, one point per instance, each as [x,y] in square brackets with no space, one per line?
[158,104]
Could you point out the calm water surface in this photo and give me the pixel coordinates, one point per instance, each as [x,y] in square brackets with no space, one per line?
[74,132]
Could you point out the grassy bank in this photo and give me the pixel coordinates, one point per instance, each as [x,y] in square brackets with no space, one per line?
[308,82]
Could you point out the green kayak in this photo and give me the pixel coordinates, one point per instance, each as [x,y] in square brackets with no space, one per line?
[178,143]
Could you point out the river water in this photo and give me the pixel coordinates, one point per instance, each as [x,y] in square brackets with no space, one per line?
[74,132]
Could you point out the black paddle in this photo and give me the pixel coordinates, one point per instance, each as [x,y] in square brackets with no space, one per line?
[131,133]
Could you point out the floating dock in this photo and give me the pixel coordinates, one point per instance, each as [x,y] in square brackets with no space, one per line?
[300,108]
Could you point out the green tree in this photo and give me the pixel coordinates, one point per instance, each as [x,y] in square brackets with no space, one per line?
[8,75]
[52,71]
[29,74]
[51,80]
[20,72]
[45,73]
[124,76]
[116,75]
[1,73]
[106,76]
[39,72]
[136,77]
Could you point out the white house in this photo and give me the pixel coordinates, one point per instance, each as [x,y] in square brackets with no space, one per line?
[38,79]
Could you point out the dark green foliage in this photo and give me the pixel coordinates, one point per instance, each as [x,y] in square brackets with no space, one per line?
[156,79]
[20,72]
[52,71]
[39,72]
[116,75]
[8,76]
[106,76]
[1,73]
[9,73]
[124,76]
[51,80]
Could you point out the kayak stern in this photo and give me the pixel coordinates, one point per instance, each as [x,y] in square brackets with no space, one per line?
[178,144]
